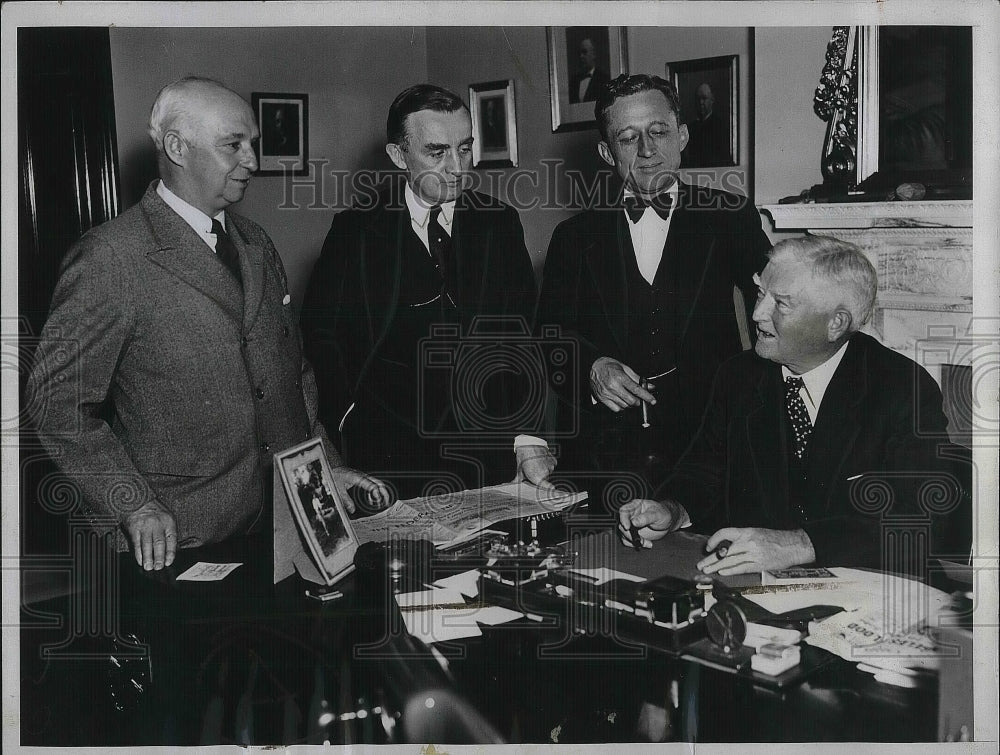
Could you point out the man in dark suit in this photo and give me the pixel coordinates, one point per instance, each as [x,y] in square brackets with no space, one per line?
[823,446]
[408,313]
[587,82]
[170,366]
[645,288]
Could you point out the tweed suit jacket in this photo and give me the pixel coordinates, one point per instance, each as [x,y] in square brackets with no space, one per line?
[878,459]
[157,378]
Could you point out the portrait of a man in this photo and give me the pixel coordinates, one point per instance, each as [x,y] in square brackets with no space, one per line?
[588,61]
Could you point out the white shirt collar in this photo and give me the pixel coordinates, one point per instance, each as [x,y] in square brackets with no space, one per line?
[419,211]
[818,378]
[191,215]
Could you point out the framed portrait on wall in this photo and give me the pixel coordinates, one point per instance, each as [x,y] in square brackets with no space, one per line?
[582,59]
[709,92]
[494,124]
[318,509]
[283,119]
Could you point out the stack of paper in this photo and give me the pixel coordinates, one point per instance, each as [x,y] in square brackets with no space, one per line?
[442,614]
[882,628]
[451,518]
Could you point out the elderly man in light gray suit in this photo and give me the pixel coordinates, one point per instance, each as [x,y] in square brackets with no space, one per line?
[184,372]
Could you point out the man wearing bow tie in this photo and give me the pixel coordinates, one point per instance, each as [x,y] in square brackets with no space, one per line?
[170,368]
[405,313]
[646,289]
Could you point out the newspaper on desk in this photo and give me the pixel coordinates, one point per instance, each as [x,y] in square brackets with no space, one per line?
[884,626]
[452,518]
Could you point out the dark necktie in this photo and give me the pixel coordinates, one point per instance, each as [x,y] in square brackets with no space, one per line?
[801,424]
[439,241]
[635,206]
[225,250]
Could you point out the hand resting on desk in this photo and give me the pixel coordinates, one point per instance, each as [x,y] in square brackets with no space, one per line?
[755,549]
[653,519]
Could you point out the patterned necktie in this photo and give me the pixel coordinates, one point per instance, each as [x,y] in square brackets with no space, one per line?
[801,424]
[635,206]
[225,250]
[439,241]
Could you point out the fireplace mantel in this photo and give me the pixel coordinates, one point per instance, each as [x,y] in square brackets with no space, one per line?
[818,216]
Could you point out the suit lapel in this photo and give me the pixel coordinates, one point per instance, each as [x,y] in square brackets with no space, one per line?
[837,424]
[610,242]
[766,438]
[471,245]
[251,271]
[690,247]
[181,252]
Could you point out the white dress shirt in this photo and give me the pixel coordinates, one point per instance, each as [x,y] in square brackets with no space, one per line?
[649,234]
[420,214]
[816,381]
[199,221]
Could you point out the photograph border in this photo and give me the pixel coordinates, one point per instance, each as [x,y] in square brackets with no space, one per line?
[568,116]
[729,63]
[282,165]
[340,563]
[481,158]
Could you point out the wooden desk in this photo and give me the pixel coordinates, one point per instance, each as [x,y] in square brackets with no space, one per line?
[244,661]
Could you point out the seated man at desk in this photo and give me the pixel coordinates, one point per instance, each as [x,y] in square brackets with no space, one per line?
[812,447]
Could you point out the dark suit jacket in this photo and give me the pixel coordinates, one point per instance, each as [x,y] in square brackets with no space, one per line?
[717,241]
[877,457]
[353,295]
[204,383]
[598,79]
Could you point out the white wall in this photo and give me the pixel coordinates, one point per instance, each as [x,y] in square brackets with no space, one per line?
[350,74]
[788,136]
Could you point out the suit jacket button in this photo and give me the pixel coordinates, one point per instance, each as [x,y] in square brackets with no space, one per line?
[260,393]
[285,331]
[244,342]
[265,447]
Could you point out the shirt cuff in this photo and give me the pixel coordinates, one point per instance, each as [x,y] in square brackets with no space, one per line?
[528,440]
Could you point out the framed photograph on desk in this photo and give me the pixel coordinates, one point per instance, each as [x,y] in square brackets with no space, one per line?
[319,511]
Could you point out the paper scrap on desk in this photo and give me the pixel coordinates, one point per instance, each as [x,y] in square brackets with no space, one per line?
[493,615]
[205,572]
[425,598]
[441,625]
[466,583]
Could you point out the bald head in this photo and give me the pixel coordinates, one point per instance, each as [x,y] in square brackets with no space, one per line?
[181,105]
[706,100]
[204,135]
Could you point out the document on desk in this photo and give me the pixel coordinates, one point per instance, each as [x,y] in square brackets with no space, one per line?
[441,614]
[205,572]
[451,518]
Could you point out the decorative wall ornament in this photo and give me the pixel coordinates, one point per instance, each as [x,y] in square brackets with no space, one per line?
[836,101]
